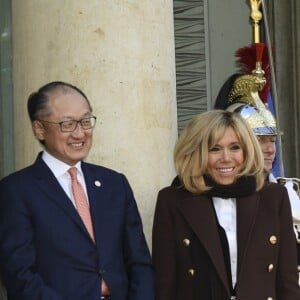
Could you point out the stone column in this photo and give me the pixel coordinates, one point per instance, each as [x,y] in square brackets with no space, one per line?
[121,53]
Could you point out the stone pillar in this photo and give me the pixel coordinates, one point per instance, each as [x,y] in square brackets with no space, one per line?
[121,53]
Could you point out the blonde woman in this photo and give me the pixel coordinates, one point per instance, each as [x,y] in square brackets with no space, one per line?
[220,232]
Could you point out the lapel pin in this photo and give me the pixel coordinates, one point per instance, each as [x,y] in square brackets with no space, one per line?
[97,183]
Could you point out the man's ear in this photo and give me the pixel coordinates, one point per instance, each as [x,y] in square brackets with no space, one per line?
[38,130]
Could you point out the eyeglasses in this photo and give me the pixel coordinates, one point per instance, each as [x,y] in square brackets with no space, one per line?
[71,125]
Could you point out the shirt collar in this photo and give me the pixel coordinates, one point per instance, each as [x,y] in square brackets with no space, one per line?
[57,166]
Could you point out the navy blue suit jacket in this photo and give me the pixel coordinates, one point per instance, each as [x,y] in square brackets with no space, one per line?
[46,252]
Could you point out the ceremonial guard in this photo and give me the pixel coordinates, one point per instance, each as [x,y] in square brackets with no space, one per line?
[242,93]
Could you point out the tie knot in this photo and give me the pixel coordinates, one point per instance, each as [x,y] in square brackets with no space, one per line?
[73,173]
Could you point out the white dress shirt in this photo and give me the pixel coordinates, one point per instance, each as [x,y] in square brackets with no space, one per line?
[60,171]
[226,213]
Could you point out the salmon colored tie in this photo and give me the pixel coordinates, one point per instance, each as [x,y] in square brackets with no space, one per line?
[84,212]
[81,202]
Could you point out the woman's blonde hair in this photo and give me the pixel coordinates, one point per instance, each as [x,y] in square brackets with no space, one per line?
[201,134]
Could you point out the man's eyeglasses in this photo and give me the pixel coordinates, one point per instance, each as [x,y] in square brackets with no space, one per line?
[71,125]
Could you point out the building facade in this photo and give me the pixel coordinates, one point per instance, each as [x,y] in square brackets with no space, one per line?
[127,56]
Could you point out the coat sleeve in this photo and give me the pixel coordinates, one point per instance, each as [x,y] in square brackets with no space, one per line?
[136,253]
[164,249]
[17,254]
[287,287]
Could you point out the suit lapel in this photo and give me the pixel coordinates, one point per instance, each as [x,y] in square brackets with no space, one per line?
[199,213]
[247,208]
[97,194]
[50,187]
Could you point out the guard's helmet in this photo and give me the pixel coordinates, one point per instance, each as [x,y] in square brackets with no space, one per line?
[240,93]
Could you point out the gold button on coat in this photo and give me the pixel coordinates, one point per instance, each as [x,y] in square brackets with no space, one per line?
[273,239]
[186,242]
[270,267]
[191,272]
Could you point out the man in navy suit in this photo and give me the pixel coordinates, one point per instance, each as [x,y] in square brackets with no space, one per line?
[46,252]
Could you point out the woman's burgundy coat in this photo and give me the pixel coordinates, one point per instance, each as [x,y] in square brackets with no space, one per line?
[187,255]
